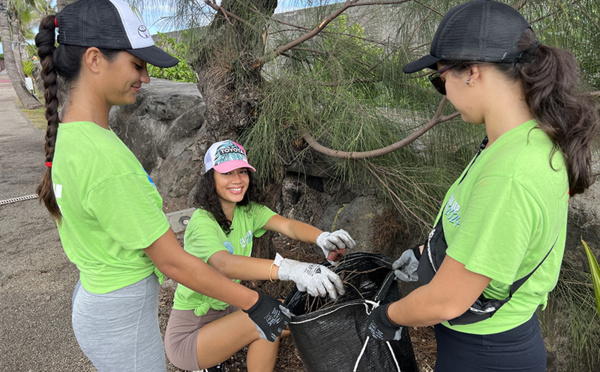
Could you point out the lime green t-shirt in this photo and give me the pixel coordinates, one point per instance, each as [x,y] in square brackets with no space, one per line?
[504,217]
[110,207]
[204,237]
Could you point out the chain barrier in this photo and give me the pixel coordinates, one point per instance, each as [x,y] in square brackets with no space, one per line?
[18,199]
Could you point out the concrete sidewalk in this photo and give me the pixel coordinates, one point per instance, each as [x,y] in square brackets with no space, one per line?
[36,278]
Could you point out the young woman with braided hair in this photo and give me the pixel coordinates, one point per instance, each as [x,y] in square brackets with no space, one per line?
[108,211]
[499,239]
[202,331]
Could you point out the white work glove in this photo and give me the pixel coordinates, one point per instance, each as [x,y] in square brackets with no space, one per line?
[334,244]
[406,267]
[315,279]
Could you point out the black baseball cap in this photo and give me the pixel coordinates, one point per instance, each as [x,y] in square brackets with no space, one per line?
[480,30]
[110,24]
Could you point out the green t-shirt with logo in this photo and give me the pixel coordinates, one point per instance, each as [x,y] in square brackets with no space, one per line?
[504,217]
[204,237]
[111,209]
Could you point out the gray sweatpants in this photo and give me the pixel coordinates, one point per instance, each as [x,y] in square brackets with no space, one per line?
[118,331]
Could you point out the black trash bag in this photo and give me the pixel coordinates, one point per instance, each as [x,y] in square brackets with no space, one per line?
[333,337]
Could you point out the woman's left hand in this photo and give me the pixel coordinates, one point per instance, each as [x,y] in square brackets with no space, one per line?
[315,279]
[334,244]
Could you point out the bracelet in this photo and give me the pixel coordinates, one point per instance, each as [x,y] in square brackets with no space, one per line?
[271,269]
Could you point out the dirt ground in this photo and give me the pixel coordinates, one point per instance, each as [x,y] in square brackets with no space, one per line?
[288,360]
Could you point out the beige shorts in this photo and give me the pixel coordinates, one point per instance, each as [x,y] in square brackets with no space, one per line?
[182,334]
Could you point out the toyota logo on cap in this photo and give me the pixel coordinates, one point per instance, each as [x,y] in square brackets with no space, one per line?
[143,32]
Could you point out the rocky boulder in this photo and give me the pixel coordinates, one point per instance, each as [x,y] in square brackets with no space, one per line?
[584,223]
[162,129]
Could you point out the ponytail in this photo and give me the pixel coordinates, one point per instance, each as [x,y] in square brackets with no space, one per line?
[564,112]
[45,41]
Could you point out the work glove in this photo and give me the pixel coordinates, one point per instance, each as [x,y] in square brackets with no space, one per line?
[334,244]
[406,266]
[381,327]
[315,279]
[269,316]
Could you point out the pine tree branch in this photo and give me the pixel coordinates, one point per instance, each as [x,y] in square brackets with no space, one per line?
[347,5]
[436,119]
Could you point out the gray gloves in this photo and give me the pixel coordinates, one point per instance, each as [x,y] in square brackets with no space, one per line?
[315,279]
[406,266]
[334,244]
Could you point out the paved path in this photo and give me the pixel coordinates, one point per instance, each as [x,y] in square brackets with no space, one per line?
[36,278]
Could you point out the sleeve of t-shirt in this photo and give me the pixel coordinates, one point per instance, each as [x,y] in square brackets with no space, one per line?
[203,236]
[495,229]
[261,215]
[129,209]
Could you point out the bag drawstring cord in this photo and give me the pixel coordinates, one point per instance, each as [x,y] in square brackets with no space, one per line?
[374,304]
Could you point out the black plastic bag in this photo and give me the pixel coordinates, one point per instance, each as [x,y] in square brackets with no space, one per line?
[332,336]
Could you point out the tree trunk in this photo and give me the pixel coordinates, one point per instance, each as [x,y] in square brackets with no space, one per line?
[16,38]
[226,80]
[27,99]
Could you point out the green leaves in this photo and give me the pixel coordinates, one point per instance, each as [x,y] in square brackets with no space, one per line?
[182,71]
[595,271]
[28,68]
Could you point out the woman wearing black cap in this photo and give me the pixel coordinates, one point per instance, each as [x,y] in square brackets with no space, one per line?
[108,211]
[497,247]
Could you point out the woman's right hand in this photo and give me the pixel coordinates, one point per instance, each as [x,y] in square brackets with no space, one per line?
[315,279]
[270,317]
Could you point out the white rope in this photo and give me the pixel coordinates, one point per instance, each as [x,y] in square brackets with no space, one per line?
[393,355]
[18,199]
[361,354]
[325,313]
[364,348]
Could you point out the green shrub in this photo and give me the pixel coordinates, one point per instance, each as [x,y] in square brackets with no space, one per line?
[180,72]
[28,68]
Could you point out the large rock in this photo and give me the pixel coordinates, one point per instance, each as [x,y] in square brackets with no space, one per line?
[162,129]
[584,223]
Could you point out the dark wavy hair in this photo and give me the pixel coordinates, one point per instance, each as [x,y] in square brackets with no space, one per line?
[569,116]
[63,61]
[207,198]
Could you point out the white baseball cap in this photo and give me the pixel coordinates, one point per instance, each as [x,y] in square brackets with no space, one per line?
[226,156]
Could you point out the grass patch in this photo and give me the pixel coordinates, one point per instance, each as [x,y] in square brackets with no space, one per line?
[570,323]
[36,117]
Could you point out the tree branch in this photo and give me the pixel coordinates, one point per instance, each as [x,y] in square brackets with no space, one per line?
[519,4]
[228,14]
[436,119]
[430,8]
[348,4]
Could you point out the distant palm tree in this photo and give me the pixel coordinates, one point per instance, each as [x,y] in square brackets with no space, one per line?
[27,99]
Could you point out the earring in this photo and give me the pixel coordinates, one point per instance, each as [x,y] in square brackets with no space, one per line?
[468,81]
